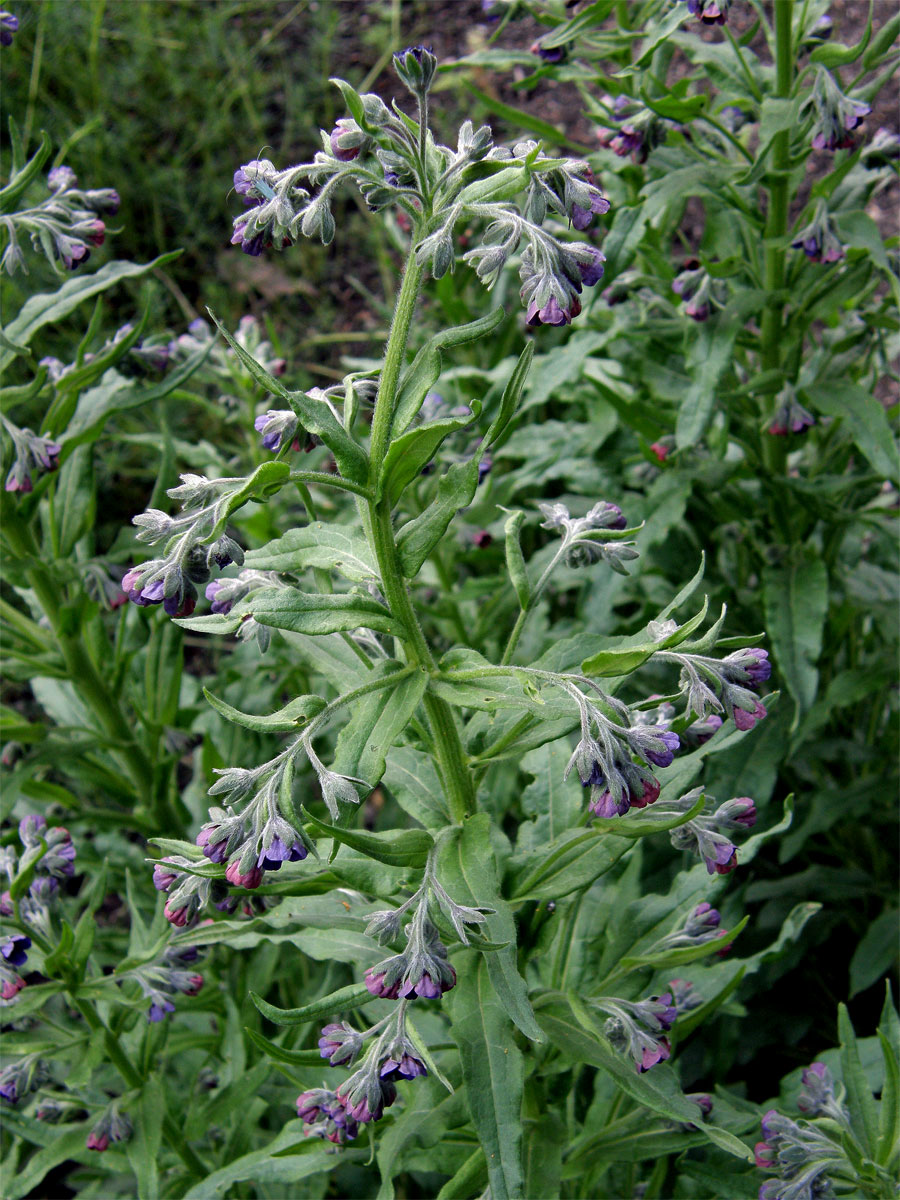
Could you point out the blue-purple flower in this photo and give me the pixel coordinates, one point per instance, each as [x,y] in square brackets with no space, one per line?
[8,26]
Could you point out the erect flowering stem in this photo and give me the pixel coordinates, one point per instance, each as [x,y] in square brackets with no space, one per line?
[777,219]
[451,759]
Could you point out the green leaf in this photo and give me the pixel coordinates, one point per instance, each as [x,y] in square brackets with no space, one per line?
[425,370]
[545,1139]
[377,721]
[331,547]
[49,308]
[633,651]
[116,394]
[512,393]
[860,1101]
[865,418]
[74,504]
[269,1165]
[876,951]
[418,537]
[796,604]
[413,781]
[469,1180]
[834,54]
[515,560]
[889,1123]
[316,614]
[20,180]
[293,1058]
[396,847]
[585,22]
[293,716]
[144,1144]
[467,869]
[569,863]
[493,1073]
[345,999]
[710,354]
[314,415]
[68,1143]
[409,453]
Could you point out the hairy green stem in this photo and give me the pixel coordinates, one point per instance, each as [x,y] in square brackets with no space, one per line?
[777,222]
[451,759]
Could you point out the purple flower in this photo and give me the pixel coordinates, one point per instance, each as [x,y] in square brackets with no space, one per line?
[592,271]
[407,1066]
[347,140]
[248,879]
[163,878]
[159,1010]
[660,755]
[684,999]
[12,984]
[340,1044]
[598,205]
[552,312]
[214,848]
[278,851]
[710,12]
[32,829]
[550,54]
[15,949]
[60,178]
[427,987]
[97,1141]
[218,606]
[8,26]
[375,982]
[737,813]
[745,719]
[791,418]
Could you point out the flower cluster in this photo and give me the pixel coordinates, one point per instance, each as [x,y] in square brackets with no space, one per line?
[790,415]
[222,363]
[50,852]
[693,285]
[639,1029]
[800,1153]
[32,453]
[819,240]
[161,981]
[386,158]
[113,1126]
[638,130]
[706,835]
[193,542]
[364,1095]
[19,1078]
[603,758]
[715,686]
[64,226]
[835,115]
[701,925]
[583,538]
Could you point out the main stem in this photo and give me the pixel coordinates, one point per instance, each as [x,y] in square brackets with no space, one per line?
[777,220]
[451,758]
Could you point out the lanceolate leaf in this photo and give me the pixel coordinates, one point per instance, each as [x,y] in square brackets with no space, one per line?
[418,537]
[377,721]
[48,308]
[426,367]
[397,847]
[294,715]
[343,1000]
[466,868]
[316,545]
[313,613]
[493,1073]
[409,453]
[796,601]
